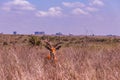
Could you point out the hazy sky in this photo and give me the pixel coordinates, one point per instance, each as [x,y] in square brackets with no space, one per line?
[101,17]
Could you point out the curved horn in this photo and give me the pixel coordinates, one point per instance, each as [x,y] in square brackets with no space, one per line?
[48,45]
[57,44]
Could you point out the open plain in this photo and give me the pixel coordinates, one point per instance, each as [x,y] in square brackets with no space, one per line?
[22,57]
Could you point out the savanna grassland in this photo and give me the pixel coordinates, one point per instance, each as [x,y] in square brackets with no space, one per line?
[22,57]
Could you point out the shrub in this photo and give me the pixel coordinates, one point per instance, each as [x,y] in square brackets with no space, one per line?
[34,41]
[5,43]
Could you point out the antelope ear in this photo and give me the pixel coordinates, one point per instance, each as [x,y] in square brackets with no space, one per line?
[57,44]
[47,43]
[58,47]
[48,48]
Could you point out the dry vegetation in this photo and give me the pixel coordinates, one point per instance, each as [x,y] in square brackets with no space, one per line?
[80,58]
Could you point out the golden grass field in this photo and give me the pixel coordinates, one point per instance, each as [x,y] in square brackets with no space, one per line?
[22,57]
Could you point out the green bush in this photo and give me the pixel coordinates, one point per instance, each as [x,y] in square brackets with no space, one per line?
[34,41]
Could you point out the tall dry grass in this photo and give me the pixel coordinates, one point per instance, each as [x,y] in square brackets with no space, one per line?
[29,63]
[90,62]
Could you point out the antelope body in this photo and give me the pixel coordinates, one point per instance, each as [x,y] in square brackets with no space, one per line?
[52,49]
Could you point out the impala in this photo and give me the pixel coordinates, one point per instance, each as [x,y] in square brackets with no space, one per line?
[52,49]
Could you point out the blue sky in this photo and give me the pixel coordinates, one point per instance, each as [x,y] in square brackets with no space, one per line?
[100,17]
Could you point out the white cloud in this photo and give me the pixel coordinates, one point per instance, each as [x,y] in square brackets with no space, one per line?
[97,3]
[76,8]
[41,14]
[53,11]
[73,4]
[78,11]
[17,5]
[79,8]
[91,9]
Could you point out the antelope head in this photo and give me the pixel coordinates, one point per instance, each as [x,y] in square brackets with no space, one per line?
[52,49]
